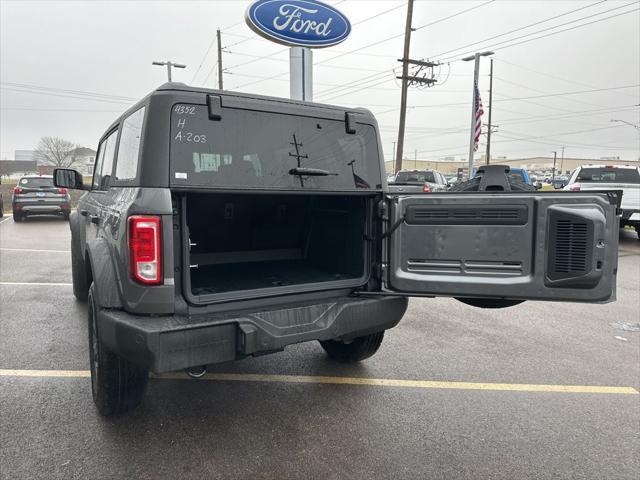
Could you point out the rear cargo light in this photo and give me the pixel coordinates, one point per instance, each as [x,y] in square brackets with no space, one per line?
[145,249]
[17,190]
[575,187]
[426,189]
[62,191]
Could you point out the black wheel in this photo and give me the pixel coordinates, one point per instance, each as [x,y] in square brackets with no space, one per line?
[65,215]
[638,232]
[489,302]
[117,385]
[359,349]
[473,185]
[78,270]
[17,217]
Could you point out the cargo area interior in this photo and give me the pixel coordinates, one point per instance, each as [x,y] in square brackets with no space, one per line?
[243,242]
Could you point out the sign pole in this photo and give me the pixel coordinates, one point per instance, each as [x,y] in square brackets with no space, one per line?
[301,73]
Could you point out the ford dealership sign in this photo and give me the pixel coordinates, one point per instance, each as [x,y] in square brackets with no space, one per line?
[305,23]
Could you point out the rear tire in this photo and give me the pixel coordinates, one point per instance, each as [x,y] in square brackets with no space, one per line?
[359,349]
[17,217]
[117,385]
[78,271]
[65,215]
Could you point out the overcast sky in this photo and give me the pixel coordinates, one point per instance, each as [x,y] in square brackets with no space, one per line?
[50,51]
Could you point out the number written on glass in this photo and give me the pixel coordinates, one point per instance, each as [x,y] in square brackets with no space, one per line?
[184,109]
[191,137]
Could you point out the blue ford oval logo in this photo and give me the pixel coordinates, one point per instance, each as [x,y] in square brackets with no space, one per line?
[306,23]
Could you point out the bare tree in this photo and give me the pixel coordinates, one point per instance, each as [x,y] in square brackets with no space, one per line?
[55,151]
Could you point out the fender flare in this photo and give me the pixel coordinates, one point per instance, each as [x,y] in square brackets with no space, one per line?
[103,274]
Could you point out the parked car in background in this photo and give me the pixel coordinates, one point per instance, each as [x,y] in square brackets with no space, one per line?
[560,181]
[391,177]
[516,174]
[612,177]
[36,195]
[413,181]
[535,181]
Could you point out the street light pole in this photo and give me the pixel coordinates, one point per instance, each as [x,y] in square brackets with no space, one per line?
[474,99]
[488,155]
[553,172]
[169,64]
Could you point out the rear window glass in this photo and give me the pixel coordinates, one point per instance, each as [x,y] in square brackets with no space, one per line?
[36,182]
[417,177]
[608,175]
[263,149]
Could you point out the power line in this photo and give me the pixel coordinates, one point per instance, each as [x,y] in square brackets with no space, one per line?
[86,98]
[28,109]
[383,40]
[63,90]
[564,30]
[518,29]
[204,57]
[258,57]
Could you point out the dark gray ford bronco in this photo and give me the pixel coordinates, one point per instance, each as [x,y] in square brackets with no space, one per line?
[220,225]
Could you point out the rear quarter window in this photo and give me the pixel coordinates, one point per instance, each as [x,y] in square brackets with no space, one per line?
[129,147]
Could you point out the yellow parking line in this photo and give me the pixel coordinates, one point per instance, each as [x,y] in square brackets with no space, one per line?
[378,382]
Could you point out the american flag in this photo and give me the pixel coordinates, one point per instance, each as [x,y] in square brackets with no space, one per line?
[479,111]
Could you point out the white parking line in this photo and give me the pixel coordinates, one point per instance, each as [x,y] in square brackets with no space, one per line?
[38,284]
[5,219]
[33,250]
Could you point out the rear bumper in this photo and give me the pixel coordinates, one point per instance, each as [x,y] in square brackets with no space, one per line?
[168,343]
[34,207]
[630,217]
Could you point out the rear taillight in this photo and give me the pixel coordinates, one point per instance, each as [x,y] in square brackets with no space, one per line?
[17,190]
[145,249]
[426,189]
[575,187]
[62,191]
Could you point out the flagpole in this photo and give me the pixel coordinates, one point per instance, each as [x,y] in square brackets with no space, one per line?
[474,99]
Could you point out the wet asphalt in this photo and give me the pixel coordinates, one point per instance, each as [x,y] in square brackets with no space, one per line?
[187,429]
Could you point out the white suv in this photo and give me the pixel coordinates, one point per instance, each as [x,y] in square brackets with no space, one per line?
[612,177]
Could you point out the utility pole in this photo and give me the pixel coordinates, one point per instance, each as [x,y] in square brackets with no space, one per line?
[169,64]
[405,86]
[488,155]
[474,100]
[553,172]
[562,161]
[219,59]
[415,159]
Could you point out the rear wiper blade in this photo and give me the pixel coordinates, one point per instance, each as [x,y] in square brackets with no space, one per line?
[312,172]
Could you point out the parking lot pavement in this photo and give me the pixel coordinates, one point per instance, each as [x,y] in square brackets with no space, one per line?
[282,428]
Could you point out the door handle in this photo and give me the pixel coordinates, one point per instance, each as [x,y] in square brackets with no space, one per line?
[95,219]
[83,213]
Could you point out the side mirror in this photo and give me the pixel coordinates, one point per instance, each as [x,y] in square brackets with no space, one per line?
[68,178]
